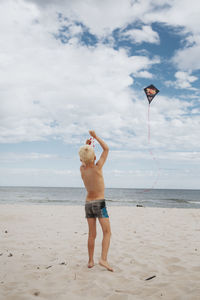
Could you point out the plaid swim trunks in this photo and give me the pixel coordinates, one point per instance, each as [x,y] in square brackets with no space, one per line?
[96,209]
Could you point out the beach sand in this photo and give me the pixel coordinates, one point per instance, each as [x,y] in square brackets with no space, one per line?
[43,254]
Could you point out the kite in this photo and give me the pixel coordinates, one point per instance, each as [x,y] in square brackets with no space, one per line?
[151,91]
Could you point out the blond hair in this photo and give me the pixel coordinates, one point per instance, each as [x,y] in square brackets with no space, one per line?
[86,154]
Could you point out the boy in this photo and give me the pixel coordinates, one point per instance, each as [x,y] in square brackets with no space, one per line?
[95,206]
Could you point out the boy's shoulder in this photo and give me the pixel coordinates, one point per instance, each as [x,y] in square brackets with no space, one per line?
[84,167]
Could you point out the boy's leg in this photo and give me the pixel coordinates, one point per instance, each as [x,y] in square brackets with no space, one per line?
[105,225]
[91,240]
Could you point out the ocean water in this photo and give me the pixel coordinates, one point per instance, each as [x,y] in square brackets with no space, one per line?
[114,196]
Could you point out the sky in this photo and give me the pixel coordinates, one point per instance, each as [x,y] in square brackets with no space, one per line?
[70,66]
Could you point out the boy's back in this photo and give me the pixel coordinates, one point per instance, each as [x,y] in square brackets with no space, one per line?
[93,180]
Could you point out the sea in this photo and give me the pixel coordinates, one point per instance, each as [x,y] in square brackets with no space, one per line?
[177,198]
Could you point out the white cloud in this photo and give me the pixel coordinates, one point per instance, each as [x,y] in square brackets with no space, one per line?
[188,58]
[176,13]
[15,157]
[183,80]
[101,17]
[145,34]
[39,177]
[183,17]
[145,74]
[162,156]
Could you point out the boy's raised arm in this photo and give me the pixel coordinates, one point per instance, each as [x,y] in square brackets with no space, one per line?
[104,146]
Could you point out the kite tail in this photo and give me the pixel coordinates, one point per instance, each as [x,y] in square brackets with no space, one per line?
[149,133]
[152,154]
[158,172]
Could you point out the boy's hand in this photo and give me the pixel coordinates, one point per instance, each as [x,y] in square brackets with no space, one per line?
[93,134]
[88,142]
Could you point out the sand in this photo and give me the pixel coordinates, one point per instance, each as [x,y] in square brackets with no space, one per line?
[43,254]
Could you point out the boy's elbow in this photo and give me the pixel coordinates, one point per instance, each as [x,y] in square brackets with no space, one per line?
[107,149]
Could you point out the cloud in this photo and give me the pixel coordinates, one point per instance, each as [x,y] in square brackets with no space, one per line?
[183,19]
[144,74]
[101,17]
[183,81]
[20,176]
[17,157]
[181,16]
[177,13]
[188,59]
[162,156]
[145,34]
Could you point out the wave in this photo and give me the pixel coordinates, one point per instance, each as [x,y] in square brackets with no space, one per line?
[51,201]
[178,200]
[109,200]
[122,201]
[195,202]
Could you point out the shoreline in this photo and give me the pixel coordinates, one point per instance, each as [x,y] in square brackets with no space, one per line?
[114,197]
[138,206]
[43,253]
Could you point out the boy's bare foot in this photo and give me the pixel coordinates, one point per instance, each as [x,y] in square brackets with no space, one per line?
[105,264]
[91,264]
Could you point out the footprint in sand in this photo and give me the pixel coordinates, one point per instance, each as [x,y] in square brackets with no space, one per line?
[196,268]
[175,268]
[173,260]
[170,260]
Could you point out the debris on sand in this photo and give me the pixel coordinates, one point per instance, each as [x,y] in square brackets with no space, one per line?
[149,278]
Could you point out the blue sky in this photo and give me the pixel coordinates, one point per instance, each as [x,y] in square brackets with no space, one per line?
[70,66]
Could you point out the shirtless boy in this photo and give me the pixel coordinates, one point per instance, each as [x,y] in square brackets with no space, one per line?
[95,206]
